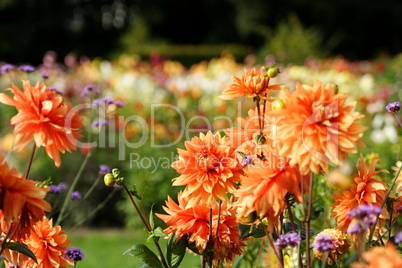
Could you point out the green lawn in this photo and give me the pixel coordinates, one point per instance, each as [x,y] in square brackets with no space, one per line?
[104,248]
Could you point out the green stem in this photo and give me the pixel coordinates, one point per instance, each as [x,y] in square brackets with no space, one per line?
[30,161]
[308,220]
[93,212]
[147,226]
[71,189]
[83,198]
[382,206]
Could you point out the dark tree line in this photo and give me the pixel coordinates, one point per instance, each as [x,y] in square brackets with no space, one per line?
[28,28]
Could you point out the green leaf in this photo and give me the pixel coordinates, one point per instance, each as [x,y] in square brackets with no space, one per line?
[251,230]
[144,266]
[144,254]
[238,261]
[21,248]
[178,250]
[151,218]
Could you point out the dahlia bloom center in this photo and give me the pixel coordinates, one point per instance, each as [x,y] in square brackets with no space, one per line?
[256,83]
[208,162]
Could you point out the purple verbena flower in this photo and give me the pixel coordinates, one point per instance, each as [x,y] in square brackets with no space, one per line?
[246,160]
[106,101]
[324,242]
[88,89]
[74,254]
[26,68]
[289,239]
[6,68]
[398,237]
[119,103]
[76,195]
[363,211]
[393,107]
[363,217]
[104,169]
[58,91]
[45,75]
[63,186]
[56,189]
[100,122]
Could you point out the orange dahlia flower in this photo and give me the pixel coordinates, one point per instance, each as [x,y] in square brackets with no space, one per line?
[193,224]
[252,84]
[208,169]
[48,243]
[268,179]
[384,257]
[43,117]
[364,190]
[20,199]
[316,127]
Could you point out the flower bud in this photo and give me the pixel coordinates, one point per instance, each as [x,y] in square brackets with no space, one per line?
[109,179]
[278,104]
[273,72]
[260,139]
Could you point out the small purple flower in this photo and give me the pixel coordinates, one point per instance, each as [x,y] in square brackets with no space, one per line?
[76,195]
[106,101]
[100,122]
[363,211]
[246,160]
[45,75]
[363,217]
[6,68]
[393,107]
[26,68]
[88,89]
[289,239]
[104,169]
[399,209]
[74,254]
[119,103]
[398,237]
[63,186]
[58,91]
[324,242]
[56,189]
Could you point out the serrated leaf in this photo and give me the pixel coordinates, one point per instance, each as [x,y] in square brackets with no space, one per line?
[251,230]
[144,254]
[21,248]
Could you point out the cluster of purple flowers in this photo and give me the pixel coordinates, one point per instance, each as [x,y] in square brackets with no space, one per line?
[56,90]
[26,68]
[289,239]
[104,169]
[393,107]
[76,195]
[56,189]
[6,68]
[90,89]
[107,101]
[74,254]
[363,217]
[398,237]
[324,242]
[100,123]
